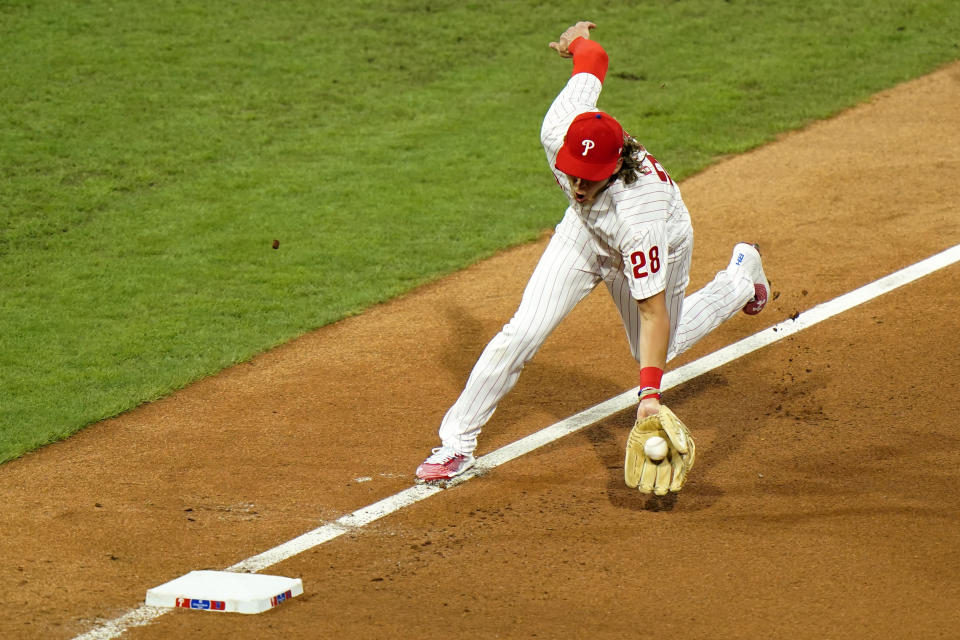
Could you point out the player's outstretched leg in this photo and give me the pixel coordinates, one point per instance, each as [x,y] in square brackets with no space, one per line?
[743,285]
[561,279]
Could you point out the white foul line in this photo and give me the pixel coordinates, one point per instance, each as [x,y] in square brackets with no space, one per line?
[144,614]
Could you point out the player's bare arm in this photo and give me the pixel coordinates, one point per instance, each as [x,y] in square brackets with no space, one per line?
[579,30]
[654,341]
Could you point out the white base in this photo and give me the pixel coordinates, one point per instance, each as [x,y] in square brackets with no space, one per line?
[225,591]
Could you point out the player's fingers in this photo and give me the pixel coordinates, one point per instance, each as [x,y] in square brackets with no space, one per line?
[648,476]
[664,475]
[632,467]
[676,432]
[556,46]
[676,437]
[691,453]
[680,469]
[633,460]
[687,464]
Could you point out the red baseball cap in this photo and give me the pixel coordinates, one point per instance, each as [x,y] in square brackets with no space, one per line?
[591,147]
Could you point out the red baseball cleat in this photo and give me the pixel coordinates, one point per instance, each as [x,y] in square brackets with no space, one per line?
[747,257]
[443,464]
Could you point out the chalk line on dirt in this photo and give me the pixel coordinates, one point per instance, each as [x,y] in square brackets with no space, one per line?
[145,614]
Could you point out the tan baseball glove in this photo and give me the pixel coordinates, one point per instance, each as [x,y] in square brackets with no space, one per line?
[669,475]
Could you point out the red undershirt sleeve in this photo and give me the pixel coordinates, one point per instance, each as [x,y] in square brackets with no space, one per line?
[589,57]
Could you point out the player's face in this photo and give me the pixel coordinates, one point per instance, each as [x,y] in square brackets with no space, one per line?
[585,191]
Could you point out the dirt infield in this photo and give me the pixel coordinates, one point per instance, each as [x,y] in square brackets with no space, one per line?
[824,503]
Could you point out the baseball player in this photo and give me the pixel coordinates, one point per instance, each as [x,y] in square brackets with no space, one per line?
[626,226]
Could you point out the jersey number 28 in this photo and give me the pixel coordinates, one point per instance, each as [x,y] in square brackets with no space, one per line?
[640,262]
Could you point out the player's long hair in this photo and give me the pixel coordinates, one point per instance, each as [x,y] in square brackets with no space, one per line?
[632,155]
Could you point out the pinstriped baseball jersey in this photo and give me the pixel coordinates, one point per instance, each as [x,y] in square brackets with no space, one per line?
[633,228]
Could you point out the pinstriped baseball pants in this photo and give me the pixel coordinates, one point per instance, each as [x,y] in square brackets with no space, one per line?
[563,277]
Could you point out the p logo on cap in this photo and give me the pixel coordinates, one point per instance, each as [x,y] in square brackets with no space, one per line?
[591,148]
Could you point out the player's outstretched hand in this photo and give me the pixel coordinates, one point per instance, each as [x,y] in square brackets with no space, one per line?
[581,29]
[669,474]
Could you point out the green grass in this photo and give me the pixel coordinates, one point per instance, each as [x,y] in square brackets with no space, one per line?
[151,153]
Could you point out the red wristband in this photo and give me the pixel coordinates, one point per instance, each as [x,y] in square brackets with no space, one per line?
[650,377]
[588,57]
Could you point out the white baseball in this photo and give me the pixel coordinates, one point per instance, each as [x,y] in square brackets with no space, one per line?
[655,448]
